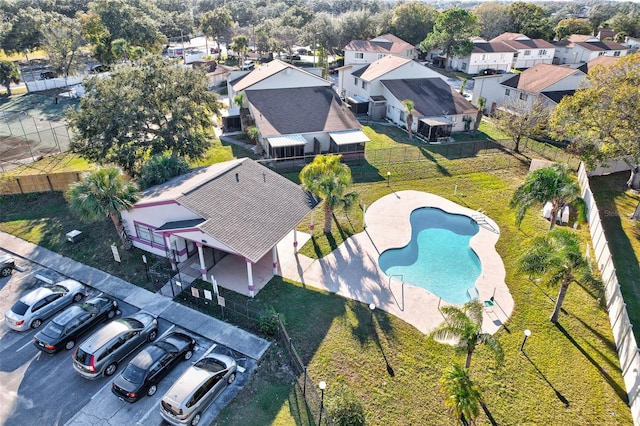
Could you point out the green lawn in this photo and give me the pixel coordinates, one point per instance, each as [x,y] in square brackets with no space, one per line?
[569,374]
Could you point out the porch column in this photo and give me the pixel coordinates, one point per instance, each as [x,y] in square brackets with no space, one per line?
[203,267]
[274,257]
[250,277]
[311,224]
[295,238]
[172,253]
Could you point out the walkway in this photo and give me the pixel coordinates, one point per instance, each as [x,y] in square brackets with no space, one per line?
[352,269]
[184,317]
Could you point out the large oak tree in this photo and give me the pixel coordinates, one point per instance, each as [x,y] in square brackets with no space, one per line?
[451,33]
[137,112]
[603,119]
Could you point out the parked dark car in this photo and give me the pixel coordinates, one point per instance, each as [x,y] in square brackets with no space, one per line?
[64,330]
[45,75]
[143,373]
[97,69]
[7,264]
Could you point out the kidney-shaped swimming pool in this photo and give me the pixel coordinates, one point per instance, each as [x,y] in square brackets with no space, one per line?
[438,258]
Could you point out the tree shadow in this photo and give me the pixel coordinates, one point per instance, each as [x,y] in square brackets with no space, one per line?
[488,414]
[559,395]
[615,386]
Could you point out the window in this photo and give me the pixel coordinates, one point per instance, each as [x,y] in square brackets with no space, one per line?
[146,234]
[359,55]
[616,53]
[484,57]
[402,116]
[523,96]
[507,92]
[364,84]
[542,52]
[527,53]
[355,81]
[602,53]
[381,55]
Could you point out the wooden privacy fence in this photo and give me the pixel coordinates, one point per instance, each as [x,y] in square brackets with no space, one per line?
[10,185]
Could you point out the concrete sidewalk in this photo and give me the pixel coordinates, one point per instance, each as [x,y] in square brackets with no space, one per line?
[184,317]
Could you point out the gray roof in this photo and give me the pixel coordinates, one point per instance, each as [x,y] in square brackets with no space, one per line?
[248,207]
[431,96]
[299,110]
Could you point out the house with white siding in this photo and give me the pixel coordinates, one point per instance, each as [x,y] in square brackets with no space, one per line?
[296,112]
[368,51]
[578,49]
[494,56]
[529,52]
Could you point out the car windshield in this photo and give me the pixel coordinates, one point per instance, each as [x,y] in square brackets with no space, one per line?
[58,289]
[211,364]
[133,374]
[132,323]
[20,308]
[53,330]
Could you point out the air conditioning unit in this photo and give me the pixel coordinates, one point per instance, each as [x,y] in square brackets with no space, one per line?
[74,236]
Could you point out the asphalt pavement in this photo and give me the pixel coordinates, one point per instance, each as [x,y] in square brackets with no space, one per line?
[208,327]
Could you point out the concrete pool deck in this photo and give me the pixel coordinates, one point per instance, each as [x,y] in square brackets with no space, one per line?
[352,269]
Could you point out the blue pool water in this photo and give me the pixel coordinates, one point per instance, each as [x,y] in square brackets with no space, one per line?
[438,257]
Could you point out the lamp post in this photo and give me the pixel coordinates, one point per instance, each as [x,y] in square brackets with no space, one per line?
[527,333]
[322,385]
[372,307]
[388,179]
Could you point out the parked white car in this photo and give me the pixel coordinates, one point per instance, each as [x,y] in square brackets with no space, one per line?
[39,304]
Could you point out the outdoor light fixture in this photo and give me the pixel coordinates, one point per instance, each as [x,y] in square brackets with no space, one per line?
[322,385]
[372,307]
[388,178]
[527,333]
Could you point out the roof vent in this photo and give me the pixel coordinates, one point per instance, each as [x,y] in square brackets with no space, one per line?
[237,177]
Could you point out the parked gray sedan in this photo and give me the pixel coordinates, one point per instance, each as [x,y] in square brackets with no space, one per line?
[7,264]
[39,304]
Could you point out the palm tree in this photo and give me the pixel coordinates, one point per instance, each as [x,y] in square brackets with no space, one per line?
[481,104]
[103,193]
[240,45]
[329,179]
[462,396]
[548,184]
[409,105]
[557,258]
[465,325]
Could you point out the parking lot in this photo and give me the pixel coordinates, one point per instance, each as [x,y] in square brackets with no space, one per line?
[38,388]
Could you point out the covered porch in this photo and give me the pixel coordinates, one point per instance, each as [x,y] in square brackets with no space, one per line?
[349,143]
[434,128]
[286,146]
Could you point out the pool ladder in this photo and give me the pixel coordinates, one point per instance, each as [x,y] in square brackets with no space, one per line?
[480,217]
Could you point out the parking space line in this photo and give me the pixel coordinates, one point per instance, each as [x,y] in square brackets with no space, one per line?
[30,342]
[167,332]
[208,351]
[101,389]
[148,413]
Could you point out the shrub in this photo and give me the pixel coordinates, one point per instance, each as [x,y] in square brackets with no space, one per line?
[268,322]
[344,407]
[160,169]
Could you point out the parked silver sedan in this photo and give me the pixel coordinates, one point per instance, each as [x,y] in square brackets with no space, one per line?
[7,264]
[39,304]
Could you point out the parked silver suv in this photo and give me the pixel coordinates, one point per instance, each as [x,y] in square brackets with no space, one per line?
[196,389]
[101,353]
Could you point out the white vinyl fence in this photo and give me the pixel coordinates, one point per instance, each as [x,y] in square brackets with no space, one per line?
[621,326]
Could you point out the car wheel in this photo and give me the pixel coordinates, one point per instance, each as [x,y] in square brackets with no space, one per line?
[36,323]
[70,344]
[232,378]
[111,368]
[152,390]
[5,272]
[111,314]
[188,355]
[152,336]
[196,419]
[78,297]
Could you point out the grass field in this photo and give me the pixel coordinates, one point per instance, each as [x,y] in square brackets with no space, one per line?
[568,374]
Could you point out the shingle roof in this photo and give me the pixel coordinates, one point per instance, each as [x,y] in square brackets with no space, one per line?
[267,70]
[380,67]
[387,43]
[600,60]
[521,41]
[246,206]
[299,110]
[557,95]
[539,77]
[590,43]
[431,96]
[491,47]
